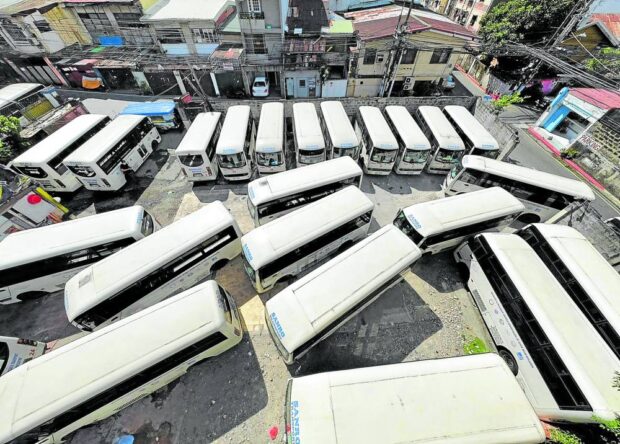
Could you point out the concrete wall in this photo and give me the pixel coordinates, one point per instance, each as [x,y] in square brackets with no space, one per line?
[351,104]
[506,135]
[599,153]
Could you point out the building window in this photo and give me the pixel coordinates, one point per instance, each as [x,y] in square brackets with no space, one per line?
[370,55]
[14,32]
[255,44]
[202,35]
[409,56]
[129,20]
[42,26]
[254,6]
[170,35]
[441,56]
[472,22]
[96,19]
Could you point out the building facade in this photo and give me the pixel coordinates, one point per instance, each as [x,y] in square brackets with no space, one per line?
[431,43]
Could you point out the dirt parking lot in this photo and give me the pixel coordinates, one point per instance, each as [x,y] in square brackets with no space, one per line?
[239,396]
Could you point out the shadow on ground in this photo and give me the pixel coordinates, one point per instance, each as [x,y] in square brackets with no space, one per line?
[213,397]
[41,319]
[383,333]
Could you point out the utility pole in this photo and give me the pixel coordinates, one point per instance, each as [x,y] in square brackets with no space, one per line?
[396,55]
[205,101]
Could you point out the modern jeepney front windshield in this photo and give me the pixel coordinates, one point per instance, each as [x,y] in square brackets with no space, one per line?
[448,156]
[311,156]
[345,151]
[416,156]
[269,159]
[456,169]
[231,160]
[402,223]
[488,153]
[381,155]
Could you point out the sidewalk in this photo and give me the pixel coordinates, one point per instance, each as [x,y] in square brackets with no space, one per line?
[542,141]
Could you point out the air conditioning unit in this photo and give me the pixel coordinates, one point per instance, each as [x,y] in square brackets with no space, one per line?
[408,84]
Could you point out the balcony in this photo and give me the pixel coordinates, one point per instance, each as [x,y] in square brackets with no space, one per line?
[251,15]
[250,21]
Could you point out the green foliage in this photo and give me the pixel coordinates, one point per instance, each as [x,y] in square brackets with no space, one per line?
[560,436]
[523,21]
[607,61]
[9,125]
[6,152]
[9,136]
[506,100]
[612,426]
[475,346]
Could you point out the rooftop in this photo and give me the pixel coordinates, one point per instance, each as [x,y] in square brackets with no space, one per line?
[14,7]
[611,22]
[187,10]
[381,22]
[601,98]
[306,16]
[384,27]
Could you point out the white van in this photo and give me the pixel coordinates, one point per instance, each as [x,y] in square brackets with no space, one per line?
[315,306]
[463,400]
[283,248]
[196,152]
[442,224]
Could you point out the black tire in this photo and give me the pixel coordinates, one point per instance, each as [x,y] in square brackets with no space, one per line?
[31,295]
[154,145]
[345,246]
[463,272]
[528,218]
[219,265]
[509,360]
[285,280]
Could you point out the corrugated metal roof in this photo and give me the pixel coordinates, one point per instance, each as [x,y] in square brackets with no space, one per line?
[150,108]
[446,26]
[602,98]
[384,27]
[381,22]
[611,22]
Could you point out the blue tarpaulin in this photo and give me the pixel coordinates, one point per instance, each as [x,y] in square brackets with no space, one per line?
[556,118]
[110,40]
[150,108]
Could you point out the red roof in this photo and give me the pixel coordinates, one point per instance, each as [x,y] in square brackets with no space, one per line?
[611,21]
[385,27]
[601,98]
[381,27]
[445,26]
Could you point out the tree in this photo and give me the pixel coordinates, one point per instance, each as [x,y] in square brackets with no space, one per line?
[524,21]
[606,62]
[506,100]
[9,136]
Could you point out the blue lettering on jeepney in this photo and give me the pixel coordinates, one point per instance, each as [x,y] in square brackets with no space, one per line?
[520,356]
[229,151]
[276,325]
[247,253]
[413,221]
[295,438]
[346,145]
[15,362]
